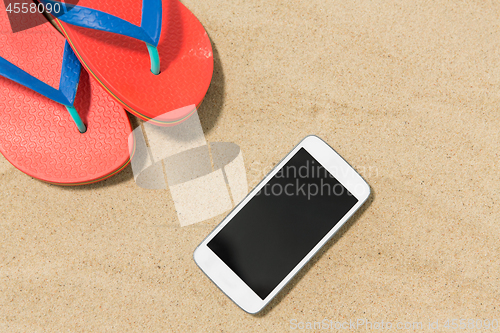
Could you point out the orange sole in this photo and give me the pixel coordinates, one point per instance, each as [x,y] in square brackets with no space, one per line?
[121,64]
[37,135]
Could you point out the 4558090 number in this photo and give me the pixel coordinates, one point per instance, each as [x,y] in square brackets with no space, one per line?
[471,324]
[24,8]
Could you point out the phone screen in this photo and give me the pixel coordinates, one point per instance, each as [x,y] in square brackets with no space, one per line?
[281,224]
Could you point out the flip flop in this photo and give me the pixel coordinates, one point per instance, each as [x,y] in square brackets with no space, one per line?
[40,81]
[153,56]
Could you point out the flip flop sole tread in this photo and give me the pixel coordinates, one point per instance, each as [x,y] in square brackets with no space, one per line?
[122,65]
[38,136]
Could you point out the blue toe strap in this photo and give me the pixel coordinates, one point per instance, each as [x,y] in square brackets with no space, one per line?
[70,76]
[149,31]
[151,19]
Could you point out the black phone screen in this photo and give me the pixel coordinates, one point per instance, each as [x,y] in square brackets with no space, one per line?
[280,225]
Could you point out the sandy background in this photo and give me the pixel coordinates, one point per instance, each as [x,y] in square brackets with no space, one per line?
[407,92]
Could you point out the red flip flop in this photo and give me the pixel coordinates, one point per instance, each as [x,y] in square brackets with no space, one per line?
[46,102]
[153,56]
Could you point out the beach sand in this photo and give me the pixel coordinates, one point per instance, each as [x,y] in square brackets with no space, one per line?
[407,92]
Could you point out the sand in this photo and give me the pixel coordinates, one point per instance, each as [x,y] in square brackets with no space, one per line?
[407,92]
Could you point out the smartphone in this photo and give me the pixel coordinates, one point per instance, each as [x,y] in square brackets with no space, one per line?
[279,226]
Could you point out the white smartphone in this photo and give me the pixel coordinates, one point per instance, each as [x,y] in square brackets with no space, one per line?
[279,226]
